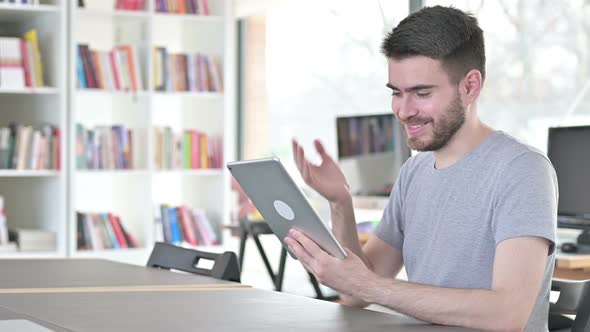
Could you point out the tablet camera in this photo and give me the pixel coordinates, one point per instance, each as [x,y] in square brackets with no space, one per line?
[284,210]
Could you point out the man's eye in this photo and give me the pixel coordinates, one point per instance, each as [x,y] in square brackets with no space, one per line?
[395,94]
[423,94]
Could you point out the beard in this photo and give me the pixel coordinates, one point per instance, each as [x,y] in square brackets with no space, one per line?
[443,128]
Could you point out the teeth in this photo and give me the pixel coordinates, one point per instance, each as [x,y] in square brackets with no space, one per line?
[416,126]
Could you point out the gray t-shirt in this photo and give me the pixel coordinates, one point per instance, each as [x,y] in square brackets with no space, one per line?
[448,222]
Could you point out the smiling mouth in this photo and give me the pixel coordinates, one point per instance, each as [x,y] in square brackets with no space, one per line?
[415,128]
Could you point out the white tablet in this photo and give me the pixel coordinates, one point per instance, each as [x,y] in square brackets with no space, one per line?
[281,203]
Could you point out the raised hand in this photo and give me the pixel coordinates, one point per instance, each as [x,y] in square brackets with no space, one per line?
[327,178]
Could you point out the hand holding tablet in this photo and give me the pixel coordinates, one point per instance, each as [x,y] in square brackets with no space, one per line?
[282,204]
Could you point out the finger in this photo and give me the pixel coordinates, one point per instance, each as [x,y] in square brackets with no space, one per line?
[295,145]
[306,172]
[297,155]
[321,150]
[299,251]
[349,253]
[311,247]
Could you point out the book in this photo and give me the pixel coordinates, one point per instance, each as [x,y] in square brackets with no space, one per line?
[174,226]
[3,223]
[187,226]
[12,73]
[167,232]
[31,36]
[118,232]
[33,239]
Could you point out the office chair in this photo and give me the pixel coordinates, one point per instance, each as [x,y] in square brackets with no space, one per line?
[574,299]
[168,256]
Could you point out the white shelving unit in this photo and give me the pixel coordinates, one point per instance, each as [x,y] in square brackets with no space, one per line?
[134,194]
[38,199]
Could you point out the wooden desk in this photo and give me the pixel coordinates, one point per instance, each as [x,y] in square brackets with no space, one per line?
[205,310]
[575,267]
[52,275]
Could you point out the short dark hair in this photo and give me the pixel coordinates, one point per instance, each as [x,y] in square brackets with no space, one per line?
[442,33]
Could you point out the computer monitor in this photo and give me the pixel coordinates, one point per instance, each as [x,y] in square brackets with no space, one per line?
[371,151]
[569,152]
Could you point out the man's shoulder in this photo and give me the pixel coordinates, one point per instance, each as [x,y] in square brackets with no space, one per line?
[508,150]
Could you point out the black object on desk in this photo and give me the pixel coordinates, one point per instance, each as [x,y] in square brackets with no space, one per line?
[256,228]
[569,247]
[168,256]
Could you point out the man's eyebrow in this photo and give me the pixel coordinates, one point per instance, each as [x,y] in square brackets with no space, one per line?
[412,88]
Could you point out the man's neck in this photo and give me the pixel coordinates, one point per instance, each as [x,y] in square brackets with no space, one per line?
[467,138]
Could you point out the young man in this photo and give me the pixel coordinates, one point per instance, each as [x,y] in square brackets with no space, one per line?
[472,217]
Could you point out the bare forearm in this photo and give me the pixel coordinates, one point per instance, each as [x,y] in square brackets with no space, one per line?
[344,226]
[475,308]
[344,229]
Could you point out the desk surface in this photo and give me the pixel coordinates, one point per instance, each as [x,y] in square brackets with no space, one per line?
[6,314]
[207,310]
[55,273]
[572,266]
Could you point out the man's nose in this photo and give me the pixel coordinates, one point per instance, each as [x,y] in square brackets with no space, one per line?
[404,108]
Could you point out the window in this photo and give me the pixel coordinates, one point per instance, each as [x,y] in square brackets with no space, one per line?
[323,60]
[538,64]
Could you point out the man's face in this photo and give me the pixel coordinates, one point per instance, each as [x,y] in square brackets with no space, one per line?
[425,102]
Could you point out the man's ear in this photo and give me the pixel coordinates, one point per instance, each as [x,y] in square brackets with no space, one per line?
[471,86]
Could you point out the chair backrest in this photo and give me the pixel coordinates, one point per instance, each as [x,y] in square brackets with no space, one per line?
[574,299]
[168,256]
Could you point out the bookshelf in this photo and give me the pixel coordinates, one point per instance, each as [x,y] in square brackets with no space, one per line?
[37,199]
[134,194]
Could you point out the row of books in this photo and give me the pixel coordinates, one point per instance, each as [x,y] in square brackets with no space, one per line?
[98,231]
[20,2]
[117,69]
[184,224]
[20,62]
[186,72]
[191,149]
[199,7]
[25,147]
[104,147]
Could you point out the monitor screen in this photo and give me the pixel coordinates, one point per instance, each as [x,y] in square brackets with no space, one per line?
[371,151]
[364,135]
[569,152]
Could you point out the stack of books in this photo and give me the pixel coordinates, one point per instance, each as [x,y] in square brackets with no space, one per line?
[33,239]
[25,147]
[104,147]
[184,225]
[198,7]
[20,62]
[118,69]
[97,231]
[186,72]
[191,149]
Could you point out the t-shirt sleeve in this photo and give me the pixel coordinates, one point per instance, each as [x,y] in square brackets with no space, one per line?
[526,200]
[390,228]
